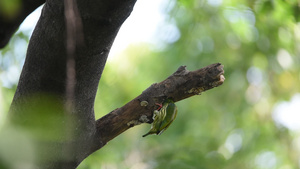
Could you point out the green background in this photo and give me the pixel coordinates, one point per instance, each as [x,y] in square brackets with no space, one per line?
[231,126]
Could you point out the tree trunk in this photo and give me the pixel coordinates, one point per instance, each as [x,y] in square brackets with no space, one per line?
[43,79]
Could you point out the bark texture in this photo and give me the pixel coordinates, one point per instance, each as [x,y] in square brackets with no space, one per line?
[180,85]
[44,74]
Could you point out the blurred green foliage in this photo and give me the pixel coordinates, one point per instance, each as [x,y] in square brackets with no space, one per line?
[231,126]
[9,9]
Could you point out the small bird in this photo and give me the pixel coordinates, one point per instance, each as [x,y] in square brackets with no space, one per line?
[163,117]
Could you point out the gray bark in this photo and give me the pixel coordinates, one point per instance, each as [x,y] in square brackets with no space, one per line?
[44,75]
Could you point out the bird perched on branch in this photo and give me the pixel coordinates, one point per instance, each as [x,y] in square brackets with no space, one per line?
[163,117]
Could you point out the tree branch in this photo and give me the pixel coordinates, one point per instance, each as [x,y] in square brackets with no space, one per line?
[180,85]
[9,24]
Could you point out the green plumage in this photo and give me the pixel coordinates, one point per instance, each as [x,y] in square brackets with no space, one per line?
[163,118]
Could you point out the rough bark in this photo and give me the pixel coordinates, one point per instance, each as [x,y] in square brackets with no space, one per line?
[180,85]
[44,73]
[43,84]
